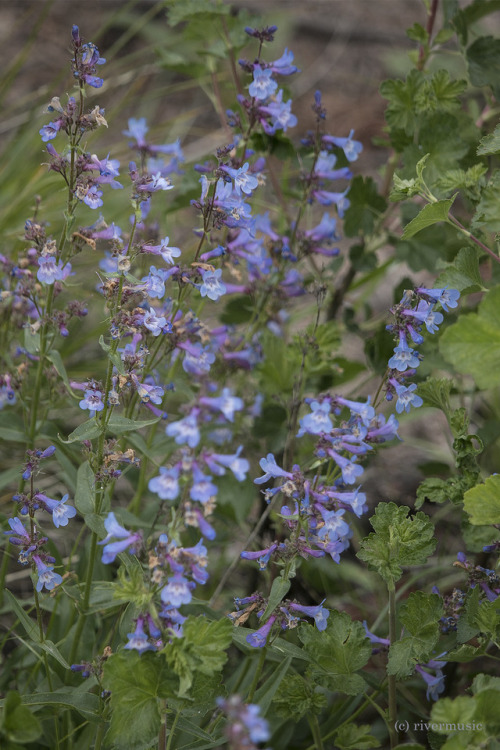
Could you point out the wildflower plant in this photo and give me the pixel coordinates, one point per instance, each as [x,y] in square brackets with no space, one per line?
[181,596]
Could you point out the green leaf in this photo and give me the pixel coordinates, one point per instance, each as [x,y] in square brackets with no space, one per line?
[366,206]
[417,33]
[56,360]
[490,144]
[136,681]
[420,615]
[430,214]
[17,723]
[113,356]
[85,489]
[279,590]
[483,59]
[118,424]
[448,711]
[267,691]
[472,345]
[201,649]
[397,541]
[436,392]
[338,653]
[183,10]
[202,695]
[400,112]
[354,737]
[28,624]
[487,214]
[463,274]
[85,431]
[296,698]
[482,502]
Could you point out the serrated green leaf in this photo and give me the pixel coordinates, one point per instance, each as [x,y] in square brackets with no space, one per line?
[465,653]
[483,60]
[487,214]
[85,431]
[400,112]
[338,653]
[490,144]
[431,214]
[466,627]
[417,33]
[85,489]
[202,695]
[354,737]
[420,615]
[487,620]
[472,345]
[136,681]
[482,502]
[448,711]
[436,392]
[202,648]
[296,698]
[463,274]
[397,541]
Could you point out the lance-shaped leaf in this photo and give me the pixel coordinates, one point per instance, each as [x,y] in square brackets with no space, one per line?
[397,541]
[429,215]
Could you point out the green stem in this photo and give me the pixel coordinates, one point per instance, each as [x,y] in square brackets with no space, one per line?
[458,225]
[393,705]
[172,731]
[257,675]
[316,731]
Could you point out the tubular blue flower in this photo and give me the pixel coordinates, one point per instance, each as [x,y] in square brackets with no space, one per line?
[350,470]
[167,253]
[319,613]
[137,129]
[153,322]
[446,297]
[262,556]
[280,113]
[283,65]
[146,392]
[128,539]
[426,314]
[238,466]
[212,287]
[243,181]
[365,411]
[262,86]
[435,683]
[92,401]
[166,485]
[185,431]
[327,198]
[244,725]
[374,638]
[23,536]
[351,148]
[225,403]
[271,469]
[138,640]
[93,197]
[403,357]
[49,271]
[203,488]
[318,420]
[177,591]
[154,282]
[406,397]
[259,638]
[49,131]
[61,513]
[46,575]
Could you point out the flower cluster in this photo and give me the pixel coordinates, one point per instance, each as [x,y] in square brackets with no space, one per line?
[415,310]
[316,513]
[245,728]
[28,539]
